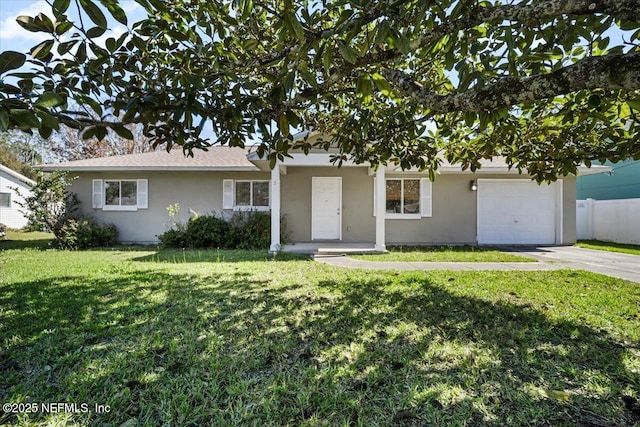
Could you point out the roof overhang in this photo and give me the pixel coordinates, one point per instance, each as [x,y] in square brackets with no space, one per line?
[17,175]
[51,168]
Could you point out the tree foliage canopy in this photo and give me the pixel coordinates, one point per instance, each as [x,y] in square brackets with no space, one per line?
[548,84]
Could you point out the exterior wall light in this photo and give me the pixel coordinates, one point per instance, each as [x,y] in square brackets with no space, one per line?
[473,186]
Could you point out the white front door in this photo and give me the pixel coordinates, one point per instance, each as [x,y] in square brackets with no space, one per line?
[326,208]
[518,212]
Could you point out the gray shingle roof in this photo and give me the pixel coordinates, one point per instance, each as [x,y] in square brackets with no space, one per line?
[216,158]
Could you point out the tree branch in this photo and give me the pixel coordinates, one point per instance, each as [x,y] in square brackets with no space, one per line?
[616,71]
[523,13]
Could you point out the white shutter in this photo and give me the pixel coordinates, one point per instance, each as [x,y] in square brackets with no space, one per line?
[375,196]
[97,194]
[143,194]
[426,198]
[227,194]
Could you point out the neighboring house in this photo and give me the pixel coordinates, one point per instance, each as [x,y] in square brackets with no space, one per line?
[321,202]
[622,182]
[10,214]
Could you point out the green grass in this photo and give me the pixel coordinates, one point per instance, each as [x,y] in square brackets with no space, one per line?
[230,338]
[17,239]
[443,254]
[609,246]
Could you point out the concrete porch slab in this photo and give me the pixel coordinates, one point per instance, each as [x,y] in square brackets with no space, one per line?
[330,248]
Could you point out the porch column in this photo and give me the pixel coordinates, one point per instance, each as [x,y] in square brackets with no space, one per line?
[275,209]
[381,195]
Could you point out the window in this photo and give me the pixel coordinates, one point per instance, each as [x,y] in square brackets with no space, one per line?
[5,200]
[245,195]
[406,198]
[120,195]
[403,196]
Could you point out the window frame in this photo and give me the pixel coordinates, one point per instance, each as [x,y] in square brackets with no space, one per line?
[402,215]
[99,194]
[251,206]
[8,206]
[425,198]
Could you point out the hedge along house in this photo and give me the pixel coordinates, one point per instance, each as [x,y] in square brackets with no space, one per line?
[10,210]
[356,203]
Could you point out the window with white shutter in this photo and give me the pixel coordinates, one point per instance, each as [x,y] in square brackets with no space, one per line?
[426,197]
[97,194]
[227,194]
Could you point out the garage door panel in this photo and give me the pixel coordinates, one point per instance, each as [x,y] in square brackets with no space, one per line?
[516,212]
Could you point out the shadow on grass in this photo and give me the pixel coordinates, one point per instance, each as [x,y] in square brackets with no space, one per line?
[227,349]
[25,244]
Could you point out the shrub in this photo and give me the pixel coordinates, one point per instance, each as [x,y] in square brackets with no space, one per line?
[250,230]
[243,230]
[85,233]
[92,234]
[207,231]
[173,238]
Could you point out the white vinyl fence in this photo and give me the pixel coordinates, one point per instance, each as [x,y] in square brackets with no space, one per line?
[609,220]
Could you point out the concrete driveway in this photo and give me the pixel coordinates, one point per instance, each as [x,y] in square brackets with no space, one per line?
[612,264]
[623,266]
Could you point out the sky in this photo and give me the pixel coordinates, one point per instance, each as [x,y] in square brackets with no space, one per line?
[14,37]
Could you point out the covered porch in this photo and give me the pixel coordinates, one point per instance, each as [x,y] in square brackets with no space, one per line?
[308,190]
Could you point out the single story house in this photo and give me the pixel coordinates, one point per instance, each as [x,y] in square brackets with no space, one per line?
[10,211]
[356,203]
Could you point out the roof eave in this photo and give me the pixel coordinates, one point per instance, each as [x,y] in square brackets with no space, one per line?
[51,168]
[17,175]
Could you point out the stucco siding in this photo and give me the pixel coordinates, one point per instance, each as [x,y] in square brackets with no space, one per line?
[358,223]
[11,216]
[199,192]
[454,219]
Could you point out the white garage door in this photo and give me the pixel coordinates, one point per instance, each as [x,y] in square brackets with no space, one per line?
[517,212]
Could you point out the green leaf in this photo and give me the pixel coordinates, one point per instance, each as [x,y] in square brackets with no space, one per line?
[60,7]
[63,27]
[49,100]
[123,132]
[4,119]
[42,49]
[11,60]
[382,84]
[45,131]
[25,119]
[348,53]
[48,120]
[94,12]
[634,104]
[43,22]
[364,89]
[295,25]
[402,44]
[96,32]
[283,124]
[26,22]
[117,12]
[66,46]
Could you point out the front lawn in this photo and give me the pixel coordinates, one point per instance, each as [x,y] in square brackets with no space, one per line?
[17,239]
[609,246]
[443,254]
[189,338]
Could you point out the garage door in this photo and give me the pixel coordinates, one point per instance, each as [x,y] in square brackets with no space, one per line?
[517,212]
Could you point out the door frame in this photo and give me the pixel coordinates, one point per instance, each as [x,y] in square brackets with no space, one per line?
[315,179]
[558,188]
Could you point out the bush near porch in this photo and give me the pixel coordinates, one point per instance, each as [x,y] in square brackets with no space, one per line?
[227,338]
[243,230]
